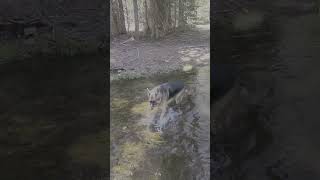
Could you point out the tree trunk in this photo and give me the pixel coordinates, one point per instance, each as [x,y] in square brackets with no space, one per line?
[181,21]
[114,20]
[117,22]
[146,25]
[136,18]
[169,14]
[121,18]
[175,14]
[127,15]
[158,18]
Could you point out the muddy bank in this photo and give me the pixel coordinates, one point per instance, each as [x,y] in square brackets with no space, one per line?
[54,109]
[131,59]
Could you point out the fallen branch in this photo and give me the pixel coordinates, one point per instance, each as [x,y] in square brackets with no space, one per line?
[131,39]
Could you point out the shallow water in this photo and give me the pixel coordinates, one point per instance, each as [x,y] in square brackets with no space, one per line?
[181,150]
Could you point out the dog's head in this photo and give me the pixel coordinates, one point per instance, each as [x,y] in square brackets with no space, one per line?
[157,95]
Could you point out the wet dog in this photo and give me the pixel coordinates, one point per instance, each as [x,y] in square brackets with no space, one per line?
[162,95]
[164,92]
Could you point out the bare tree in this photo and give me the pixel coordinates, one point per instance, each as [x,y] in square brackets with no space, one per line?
[127,15]
[169,13]
[121,16]
[181,21]
[175,14]
[158,18]
[117,18]
[146,25]
[136,18]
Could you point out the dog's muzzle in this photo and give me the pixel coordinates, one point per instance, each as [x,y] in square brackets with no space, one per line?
[152,104]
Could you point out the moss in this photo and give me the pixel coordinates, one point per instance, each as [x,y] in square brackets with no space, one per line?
[248,21]
[29,130]
[62,46]
[118,103]
[9,50]
[132,155]
[140,108]
[90,149]
[122,170]
[133,152]
[152,138]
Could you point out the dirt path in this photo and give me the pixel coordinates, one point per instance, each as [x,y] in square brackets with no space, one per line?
[144,57]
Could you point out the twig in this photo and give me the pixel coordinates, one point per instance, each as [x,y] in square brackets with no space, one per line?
[131,39]
[138,53]
[196,46]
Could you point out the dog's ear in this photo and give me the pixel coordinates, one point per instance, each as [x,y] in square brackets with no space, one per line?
[148,91]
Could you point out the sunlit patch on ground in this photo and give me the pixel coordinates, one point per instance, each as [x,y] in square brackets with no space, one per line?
[152,138]
[187,67]
[119,103]
[140,108]
[195,55]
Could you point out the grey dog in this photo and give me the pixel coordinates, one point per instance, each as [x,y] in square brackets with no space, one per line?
[163,94]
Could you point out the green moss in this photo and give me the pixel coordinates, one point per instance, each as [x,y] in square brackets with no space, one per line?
[9,51]
[118,103]
[131,156]
[30,130]
[152,138]
[61,45]
[90,149]
[122,170]
[140,108]
[248,21]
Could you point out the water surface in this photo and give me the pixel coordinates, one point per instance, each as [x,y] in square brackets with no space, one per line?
[181,150]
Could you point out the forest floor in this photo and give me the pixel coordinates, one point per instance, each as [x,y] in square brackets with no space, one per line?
[131,58]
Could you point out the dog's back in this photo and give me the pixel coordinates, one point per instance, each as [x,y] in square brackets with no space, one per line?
[174,87]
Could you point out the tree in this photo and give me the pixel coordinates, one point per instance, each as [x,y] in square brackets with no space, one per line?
[136,18]
[146,25]
[175,14]
[169,13]
[181,21]
[121,17]
[127,15]
[158,18]
[117,18]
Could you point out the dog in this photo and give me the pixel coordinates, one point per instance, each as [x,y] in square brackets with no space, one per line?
[163,94]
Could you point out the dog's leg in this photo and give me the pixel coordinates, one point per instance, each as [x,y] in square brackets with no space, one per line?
[163,118]
[179,96]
